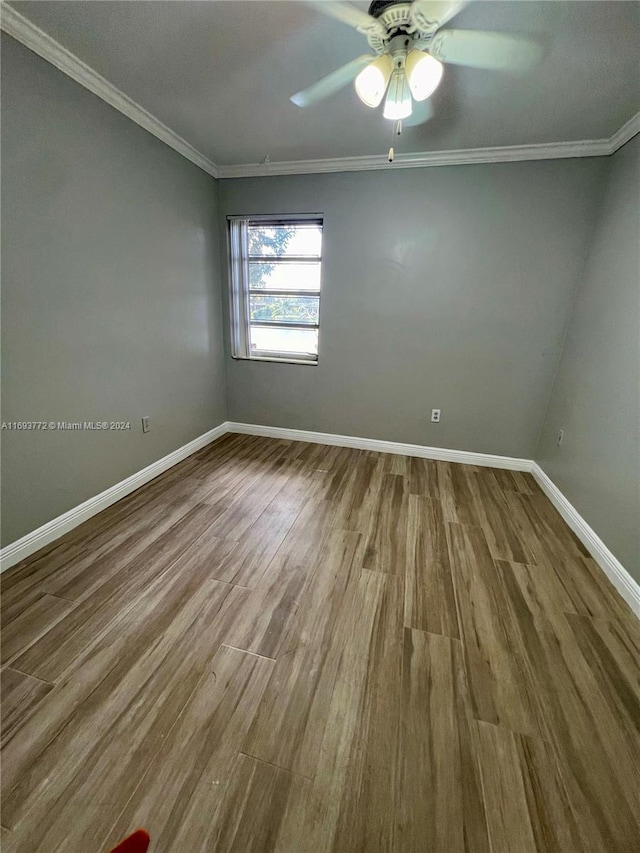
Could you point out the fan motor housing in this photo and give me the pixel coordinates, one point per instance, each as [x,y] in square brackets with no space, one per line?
[397,19]
[378,6]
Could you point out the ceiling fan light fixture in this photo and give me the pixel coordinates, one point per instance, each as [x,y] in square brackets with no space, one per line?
[372,81]
[424,74]
[398,104]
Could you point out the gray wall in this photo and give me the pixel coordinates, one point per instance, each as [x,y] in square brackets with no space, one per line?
[110,293]
[596,397]
[442,288]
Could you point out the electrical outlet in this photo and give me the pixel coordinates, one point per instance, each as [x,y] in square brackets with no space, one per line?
[146,426]
[435,416]
[560,438]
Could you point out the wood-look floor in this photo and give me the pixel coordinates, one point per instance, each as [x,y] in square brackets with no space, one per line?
[297,648]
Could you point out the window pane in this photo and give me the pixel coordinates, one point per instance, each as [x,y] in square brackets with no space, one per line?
[284,276]
[286,309]
[283,240]
[284,340]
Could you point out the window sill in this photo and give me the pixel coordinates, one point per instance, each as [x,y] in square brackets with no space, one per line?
[305,361]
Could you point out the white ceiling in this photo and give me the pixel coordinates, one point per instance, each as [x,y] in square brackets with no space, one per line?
[220,75]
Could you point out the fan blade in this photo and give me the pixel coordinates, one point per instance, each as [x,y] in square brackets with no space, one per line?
[495,51]
[338,79]
[429,15]
[350,15]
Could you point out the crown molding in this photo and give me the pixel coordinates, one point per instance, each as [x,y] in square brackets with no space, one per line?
[24,31]
[626,133]
[39,42]
[460,157]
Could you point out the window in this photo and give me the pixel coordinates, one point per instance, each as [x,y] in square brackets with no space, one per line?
[275,287]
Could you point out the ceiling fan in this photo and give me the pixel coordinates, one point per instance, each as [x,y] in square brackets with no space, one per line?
[410,48]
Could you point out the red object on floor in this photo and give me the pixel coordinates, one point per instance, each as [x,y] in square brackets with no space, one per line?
[136,843]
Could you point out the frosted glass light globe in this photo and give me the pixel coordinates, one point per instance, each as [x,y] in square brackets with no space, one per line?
[371,82]
[424,74]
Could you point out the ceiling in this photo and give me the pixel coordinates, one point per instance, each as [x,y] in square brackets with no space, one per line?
[220,75]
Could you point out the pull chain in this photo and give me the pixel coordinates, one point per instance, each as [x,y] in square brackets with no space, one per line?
[396,132]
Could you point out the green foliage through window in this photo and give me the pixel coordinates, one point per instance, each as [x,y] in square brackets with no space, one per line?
[286,309]
[266,241]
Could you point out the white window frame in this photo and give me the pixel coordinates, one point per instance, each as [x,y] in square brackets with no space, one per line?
[239,290]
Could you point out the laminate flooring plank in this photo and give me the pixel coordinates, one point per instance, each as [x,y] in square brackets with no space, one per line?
[19,579]
[96,531]
[254,807]
[549,515]
[289,725]
[248,562]
[33,622]
[239,517]
[304,450]
[454,493]
[597,757]
[430,603]
[361,495]
[513,481]
[227,483]
[439,804]
[500,690]
[231,445]
[266,623]
[187,779]
[226,478]
[394,463]
[80,547]
[321,457]
[19,605]
[526,803]
[592,592]
[353,460]
[57,650]
[341,467]
[152,657]
[371,781]
[544,584]
[95,564]
[586,584]
[19,695]
[544,534]
[134,508]
[385,537]
[613,660]
[505,796]
[27,580]
[346,806]
[423,477]
[324,457]
[506,539]
[164,534]
[446,493]
[304,540]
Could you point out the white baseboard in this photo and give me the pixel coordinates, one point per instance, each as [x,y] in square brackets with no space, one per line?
[57,527]
[442,453]
[615,571]
[610,565]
